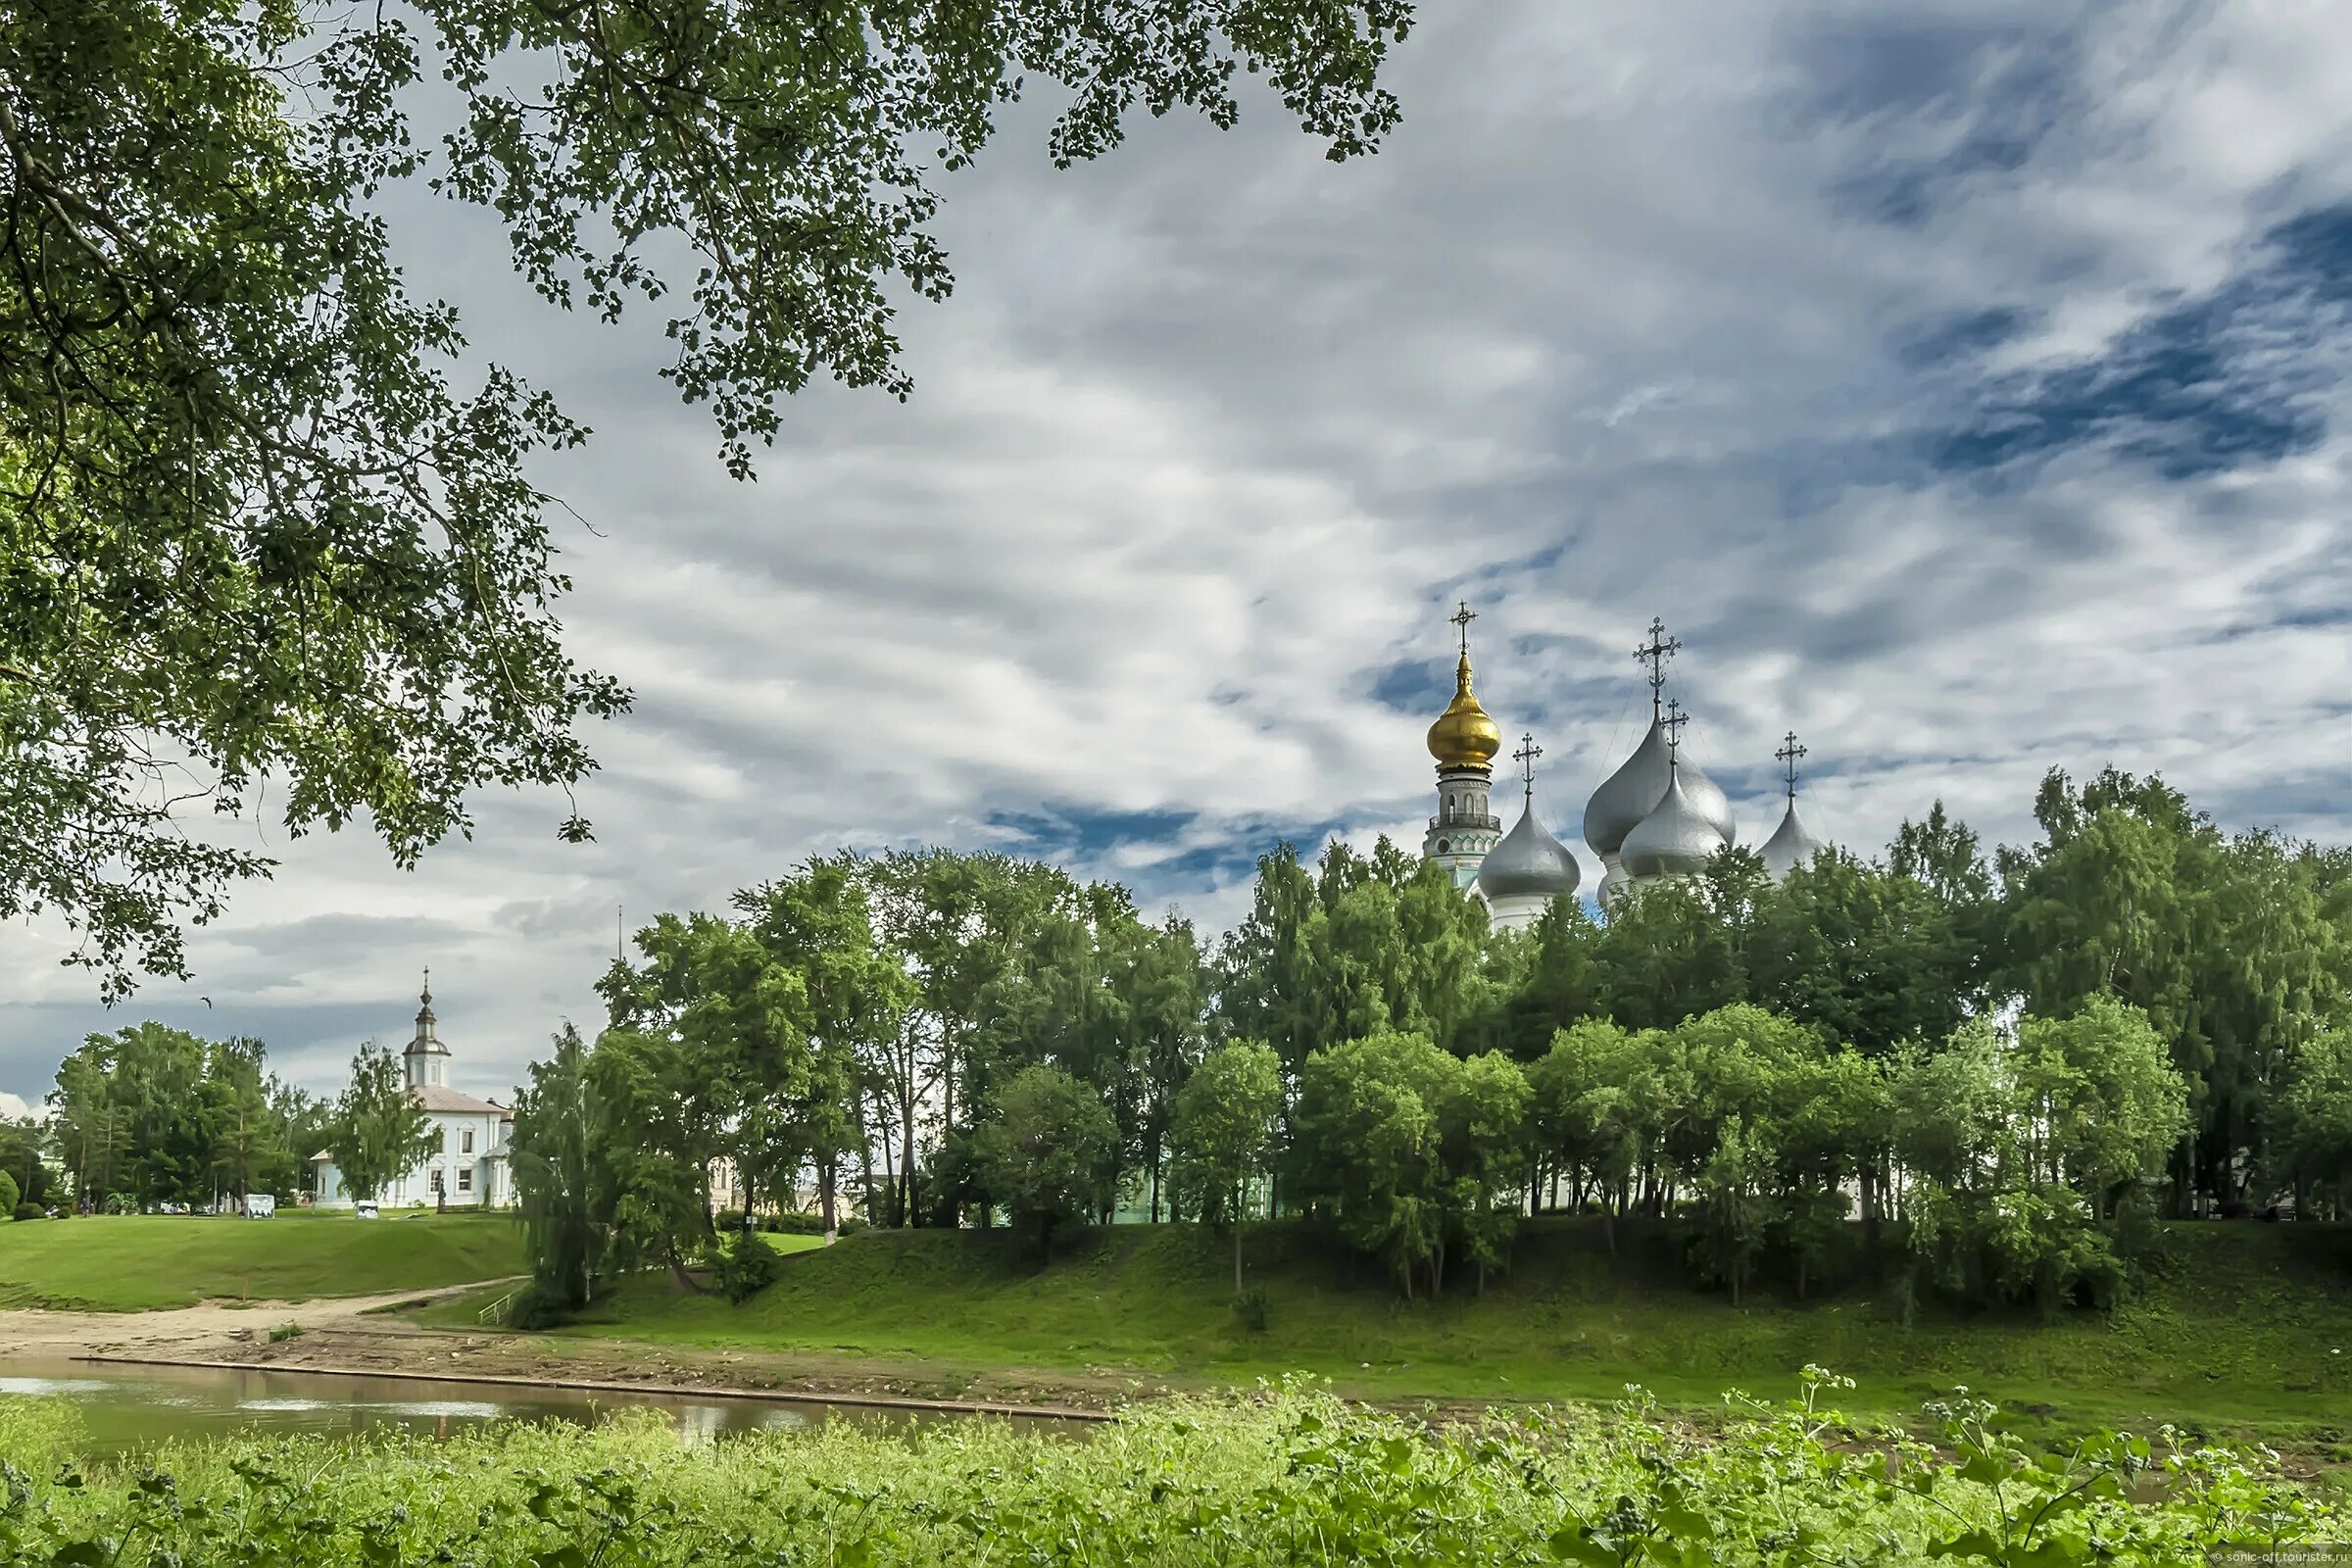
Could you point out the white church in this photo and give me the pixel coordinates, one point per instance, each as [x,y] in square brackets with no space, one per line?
[1656,818]
[467,1164]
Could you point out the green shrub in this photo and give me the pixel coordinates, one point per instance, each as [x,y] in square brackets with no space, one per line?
[9,1194]
[284,1332]
[30,1211]
[1252,1307]
[795,1223]
[535,1306]
[745,1268]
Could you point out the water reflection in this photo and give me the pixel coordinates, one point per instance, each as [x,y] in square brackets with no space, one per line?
[127,1408]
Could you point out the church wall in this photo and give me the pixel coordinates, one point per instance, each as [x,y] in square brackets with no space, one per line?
[471,1178]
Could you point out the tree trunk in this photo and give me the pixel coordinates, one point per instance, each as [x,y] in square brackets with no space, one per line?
[1237,1245]
[824,1196]
[906,1166]
[1871,1200]
[947,1118]
[677,1271]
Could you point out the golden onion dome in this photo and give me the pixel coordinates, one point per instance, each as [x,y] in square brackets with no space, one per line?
[1464,735]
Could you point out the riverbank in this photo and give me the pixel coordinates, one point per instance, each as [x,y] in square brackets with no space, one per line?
[2238,1331]
[378,1341]
[2241,1336]
[382,1335]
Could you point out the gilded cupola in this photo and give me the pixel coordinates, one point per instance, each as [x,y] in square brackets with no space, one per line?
[1464,737]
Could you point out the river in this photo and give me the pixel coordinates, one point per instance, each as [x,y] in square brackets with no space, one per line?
[123,1409]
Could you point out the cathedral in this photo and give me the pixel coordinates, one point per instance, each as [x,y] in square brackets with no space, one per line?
[1656,818]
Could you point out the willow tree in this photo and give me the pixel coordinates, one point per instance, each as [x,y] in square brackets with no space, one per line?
[259,519]
[563,1175]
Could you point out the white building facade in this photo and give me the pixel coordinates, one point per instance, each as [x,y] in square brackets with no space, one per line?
[467,1165]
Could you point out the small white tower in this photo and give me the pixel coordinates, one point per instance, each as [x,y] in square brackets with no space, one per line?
[1464,741]
[426,1058]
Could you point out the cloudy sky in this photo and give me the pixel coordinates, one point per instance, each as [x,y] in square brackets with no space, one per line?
[1962,383]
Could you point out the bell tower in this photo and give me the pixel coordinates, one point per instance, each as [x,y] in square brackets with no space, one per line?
[1463,741]
[426,1058]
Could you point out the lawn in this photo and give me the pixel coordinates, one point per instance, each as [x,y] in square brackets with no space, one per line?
[131,1262]
[2242,1327]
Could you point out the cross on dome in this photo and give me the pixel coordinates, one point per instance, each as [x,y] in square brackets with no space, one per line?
[1655,653]
[1672,724]
[1526,756]
[1462,616]
[1788,755]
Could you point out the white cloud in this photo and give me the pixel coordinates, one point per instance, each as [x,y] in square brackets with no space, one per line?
[1215,433]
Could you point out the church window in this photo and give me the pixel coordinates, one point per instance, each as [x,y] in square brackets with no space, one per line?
[465,1142]
[466,1181]
[437,1183]
[1440,846]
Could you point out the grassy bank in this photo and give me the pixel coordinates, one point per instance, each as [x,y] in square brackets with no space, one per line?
[132,1262]
[2243,1328]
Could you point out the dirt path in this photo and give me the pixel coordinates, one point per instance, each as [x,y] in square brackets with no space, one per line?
[382,1343]
[210,1328]
[354,1334]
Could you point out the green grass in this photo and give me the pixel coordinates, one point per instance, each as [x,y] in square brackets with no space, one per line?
[131,1262]
[2239,1330]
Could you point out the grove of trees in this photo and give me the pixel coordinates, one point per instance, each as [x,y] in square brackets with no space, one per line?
[151,1116]
[2017,1062]
[1991,1073]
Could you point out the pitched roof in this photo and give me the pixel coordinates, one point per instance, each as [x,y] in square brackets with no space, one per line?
[442,1098]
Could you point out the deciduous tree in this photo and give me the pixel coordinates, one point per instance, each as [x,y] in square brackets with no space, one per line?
[1048,1151]
[250,528]
[1228,1129]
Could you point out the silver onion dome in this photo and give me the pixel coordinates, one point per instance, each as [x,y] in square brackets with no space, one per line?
[1675,840]
[1628,797]
[1791,846]
[1528,863]
[1707,798]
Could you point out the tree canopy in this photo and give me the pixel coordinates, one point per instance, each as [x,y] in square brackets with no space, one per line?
[260,520]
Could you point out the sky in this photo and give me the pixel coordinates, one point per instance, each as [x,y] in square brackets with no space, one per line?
[1963,384]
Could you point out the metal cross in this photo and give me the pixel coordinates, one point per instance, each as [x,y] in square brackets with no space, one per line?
[1673,723]
[1462,616]
[1655,653]
[1788,755]
[1526,756]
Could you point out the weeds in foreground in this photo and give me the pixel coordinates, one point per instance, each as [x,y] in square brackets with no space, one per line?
[1287,1475]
